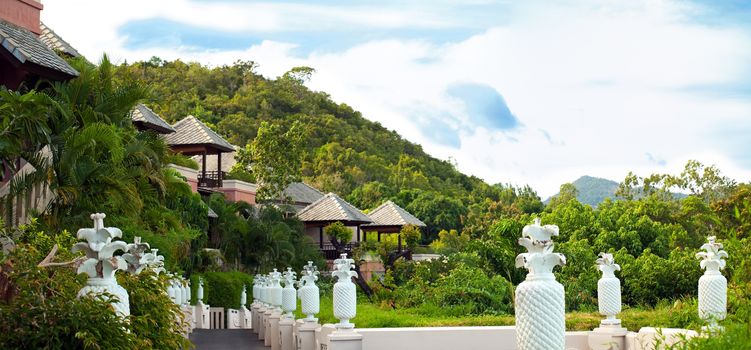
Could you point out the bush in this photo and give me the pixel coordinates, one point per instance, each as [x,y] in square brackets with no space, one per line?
[44,312]
[222,289]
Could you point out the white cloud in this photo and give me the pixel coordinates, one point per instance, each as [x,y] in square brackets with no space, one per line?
[608,81]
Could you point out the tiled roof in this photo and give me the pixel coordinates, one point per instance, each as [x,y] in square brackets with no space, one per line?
[300,192]
[147,117]
[55,42]
[212,213]
[26,47]
[191,131]
[390,214]
[332,208]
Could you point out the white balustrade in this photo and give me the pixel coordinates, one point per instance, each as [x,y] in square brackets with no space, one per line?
[289,305]
[310,306]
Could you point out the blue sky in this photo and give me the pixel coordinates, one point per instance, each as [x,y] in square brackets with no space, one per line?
[526,92]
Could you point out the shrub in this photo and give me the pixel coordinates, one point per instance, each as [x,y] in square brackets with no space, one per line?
[222,289]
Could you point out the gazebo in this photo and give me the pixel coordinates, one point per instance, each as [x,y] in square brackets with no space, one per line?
[192,137]
[329,209]
[390,218]
[145,119]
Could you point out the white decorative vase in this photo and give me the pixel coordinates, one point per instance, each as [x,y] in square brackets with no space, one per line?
[540,301]
[275,291]
[101,264]
[345,294]
[712,285]
[609,290]
[310,300]
[289,294]
[199,291]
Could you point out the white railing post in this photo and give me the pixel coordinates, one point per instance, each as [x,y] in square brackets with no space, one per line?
[540,301]
[310,303]
[245,314]
[275,293]
[713,287]
[255,309]
[265,310]
[610,334]
[201,311]
[345,307]
[289,305]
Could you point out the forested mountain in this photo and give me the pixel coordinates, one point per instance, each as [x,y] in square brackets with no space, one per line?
[342,151]
[593,190]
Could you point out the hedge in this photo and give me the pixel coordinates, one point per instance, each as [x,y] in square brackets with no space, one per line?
[222,289]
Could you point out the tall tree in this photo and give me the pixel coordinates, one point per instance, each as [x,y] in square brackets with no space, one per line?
[276,158]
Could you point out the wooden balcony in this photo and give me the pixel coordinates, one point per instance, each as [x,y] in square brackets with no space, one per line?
[211,179]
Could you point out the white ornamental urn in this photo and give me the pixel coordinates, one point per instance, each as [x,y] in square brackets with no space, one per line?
[345,295]
[101,264]
[275,290]
[243,298]
[310,299]
[540,301]
[289,294]
[199,291]
[187,295]
[185,290]
[713,287]
[608,290]
[256,288]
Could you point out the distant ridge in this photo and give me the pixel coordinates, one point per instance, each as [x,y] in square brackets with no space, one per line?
[593,190]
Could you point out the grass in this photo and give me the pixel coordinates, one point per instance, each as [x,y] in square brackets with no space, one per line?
[370,315]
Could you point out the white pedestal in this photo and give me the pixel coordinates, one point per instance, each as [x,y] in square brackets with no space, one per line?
[246,320]
[274,330]
[306,335]
[201,316]
[263,332]
[607,337]
[286,324]
[345,339]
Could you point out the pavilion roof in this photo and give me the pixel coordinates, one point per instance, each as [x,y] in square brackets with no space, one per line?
[28,50]
[300,192]
[148,119]
[331,208]
[390,214]
[191,131]
[56,43]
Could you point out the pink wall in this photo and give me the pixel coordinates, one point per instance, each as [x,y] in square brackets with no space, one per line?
[236,195]
[23,13]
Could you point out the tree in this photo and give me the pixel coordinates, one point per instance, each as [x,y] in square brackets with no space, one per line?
[276,158]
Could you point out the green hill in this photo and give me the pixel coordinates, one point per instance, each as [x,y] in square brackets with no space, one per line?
[593,190]
[343,152]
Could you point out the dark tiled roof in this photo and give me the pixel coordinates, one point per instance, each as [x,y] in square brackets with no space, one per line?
[26,47]
[146,117]
[56,43]
[300,192]
[191,131]
[332,208]
[390,214]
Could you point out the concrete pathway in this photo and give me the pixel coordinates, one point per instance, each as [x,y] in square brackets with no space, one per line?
[226,339]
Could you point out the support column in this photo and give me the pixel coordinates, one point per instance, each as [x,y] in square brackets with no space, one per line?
[275,340]
[285,333]
[320,237]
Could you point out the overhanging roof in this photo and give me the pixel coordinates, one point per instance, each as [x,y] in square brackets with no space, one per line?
[27,50]
[190,131]
[55,42]
[145,117]
[390,214]
[332,208]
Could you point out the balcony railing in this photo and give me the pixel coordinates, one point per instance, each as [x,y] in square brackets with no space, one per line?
[212,179]
[330,253]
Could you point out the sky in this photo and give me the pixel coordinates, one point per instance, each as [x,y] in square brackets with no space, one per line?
[519,92]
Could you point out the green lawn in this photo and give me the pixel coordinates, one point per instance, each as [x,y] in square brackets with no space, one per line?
[370,315]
